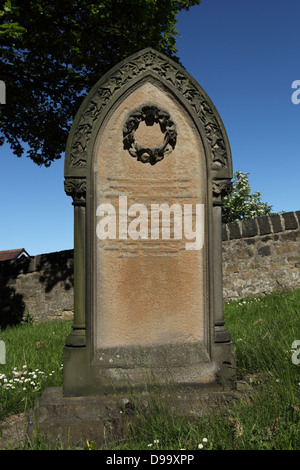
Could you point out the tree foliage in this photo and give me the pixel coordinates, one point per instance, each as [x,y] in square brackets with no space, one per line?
[240,203]
[53,52]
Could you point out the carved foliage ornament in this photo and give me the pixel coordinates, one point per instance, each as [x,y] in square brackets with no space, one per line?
[150,115]
[158,65]
[76,188]
[221,187]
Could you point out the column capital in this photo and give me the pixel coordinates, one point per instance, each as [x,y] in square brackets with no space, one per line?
[76,188]
[220,188]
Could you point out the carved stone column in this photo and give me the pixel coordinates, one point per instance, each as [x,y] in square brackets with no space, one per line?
[76,188]
[220,189]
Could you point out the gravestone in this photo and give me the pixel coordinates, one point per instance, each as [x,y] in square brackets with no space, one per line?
[147,164]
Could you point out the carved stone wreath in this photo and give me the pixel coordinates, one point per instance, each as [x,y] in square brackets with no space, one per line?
[150,115]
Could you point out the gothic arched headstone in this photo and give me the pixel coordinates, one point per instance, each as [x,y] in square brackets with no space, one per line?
[147,164]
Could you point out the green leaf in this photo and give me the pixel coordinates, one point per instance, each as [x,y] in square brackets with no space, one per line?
[12,30]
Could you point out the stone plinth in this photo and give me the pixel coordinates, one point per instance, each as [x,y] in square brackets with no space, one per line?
[72,421]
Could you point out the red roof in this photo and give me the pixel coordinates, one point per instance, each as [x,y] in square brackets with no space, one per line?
[12,254]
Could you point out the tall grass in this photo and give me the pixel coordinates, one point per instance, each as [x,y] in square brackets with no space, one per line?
[266,416]
[264,330]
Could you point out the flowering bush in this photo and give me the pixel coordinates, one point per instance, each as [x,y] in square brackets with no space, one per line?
[240,203]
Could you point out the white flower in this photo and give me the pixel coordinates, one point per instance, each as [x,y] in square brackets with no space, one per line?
[200,446]
[204,439]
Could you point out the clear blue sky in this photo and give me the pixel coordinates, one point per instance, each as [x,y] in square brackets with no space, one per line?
[246,55]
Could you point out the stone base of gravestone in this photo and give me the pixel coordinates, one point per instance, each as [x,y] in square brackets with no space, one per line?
[138,391]
[180,365]
[72,421]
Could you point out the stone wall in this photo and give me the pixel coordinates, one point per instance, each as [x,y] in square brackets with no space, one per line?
[260,256]
[41,286]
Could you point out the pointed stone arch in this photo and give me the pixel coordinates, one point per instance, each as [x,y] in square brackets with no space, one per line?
[118,81]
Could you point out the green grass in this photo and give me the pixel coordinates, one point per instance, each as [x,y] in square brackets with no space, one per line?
[33,362]
[263,330]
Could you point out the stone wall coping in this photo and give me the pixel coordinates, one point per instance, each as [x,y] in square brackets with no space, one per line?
[12,268]
[266,225]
